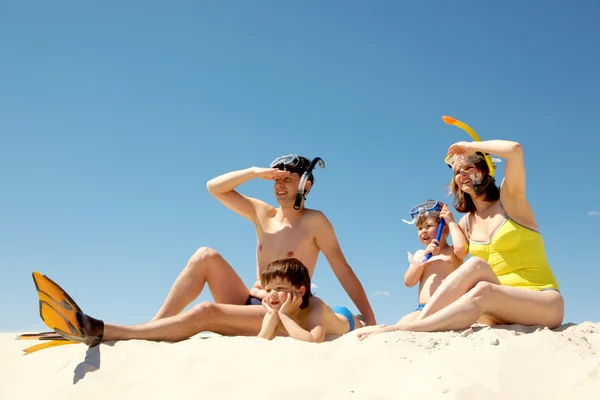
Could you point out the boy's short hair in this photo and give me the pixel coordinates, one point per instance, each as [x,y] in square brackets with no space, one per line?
[292,270]
[421,219]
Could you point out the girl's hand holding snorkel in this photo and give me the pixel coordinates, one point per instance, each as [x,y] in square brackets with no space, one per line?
[433,248]
[446,214]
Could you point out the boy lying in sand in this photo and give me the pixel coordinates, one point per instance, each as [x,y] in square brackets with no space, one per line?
[445,258]
[294,311]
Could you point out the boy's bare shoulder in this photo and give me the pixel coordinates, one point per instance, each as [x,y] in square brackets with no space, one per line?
[315,302]
[315,312]
[316,306]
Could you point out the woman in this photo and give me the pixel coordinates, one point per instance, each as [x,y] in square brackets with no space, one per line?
[508,279]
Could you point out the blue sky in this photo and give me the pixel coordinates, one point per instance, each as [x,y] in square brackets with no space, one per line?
[114,115]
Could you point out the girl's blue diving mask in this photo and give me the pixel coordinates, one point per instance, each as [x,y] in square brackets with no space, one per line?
[430,208]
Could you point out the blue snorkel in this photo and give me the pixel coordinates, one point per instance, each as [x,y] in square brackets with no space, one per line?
[437,237]
[304,178]
[425,209]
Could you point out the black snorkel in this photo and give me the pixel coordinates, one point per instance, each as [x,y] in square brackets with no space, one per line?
[479,188]
[304,178]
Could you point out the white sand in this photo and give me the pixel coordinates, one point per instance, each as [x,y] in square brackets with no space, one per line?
[485,363]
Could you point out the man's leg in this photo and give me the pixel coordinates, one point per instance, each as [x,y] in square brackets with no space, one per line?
[225,319]
[205,266]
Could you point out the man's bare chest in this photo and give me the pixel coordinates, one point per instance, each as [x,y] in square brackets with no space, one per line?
[278,241]
[286,238]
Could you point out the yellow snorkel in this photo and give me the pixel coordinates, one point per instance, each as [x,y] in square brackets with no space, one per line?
[480,186]
[471,132]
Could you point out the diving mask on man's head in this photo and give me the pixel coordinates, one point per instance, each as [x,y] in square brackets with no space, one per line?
[428,209]
[291,163]
[302,166]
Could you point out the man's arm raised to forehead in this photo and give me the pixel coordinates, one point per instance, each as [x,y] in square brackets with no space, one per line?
[223,189]
[327,242]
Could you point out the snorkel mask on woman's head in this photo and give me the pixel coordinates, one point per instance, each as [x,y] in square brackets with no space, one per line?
[428,209]
[300,165]
[480,182]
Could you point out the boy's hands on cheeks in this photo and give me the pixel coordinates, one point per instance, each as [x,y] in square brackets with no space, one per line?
[291,304]
[270,322]
[270,311]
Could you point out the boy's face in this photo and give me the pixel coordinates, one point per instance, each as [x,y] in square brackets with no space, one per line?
[427,230]
[277,291]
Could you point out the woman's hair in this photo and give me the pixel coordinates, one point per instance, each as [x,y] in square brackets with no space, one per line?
[463,203]
[292,270]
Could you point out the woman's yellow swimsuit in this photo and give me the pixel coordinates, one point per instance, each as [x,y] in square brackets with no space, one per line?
[517,256]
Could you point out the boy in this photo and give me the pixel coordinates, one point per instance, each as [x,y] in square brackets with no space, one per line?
[444,258]
[294,311]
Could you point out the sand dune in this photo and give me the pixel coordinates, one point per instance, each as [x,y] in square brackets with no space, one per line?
[513,362]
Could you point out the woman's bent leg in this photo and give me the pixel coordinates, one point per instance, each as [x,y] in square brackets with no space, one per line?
[503,304]
[458,283]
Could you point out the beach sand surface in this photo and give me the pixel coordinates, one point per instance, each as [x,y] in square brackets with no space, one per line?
[505,362]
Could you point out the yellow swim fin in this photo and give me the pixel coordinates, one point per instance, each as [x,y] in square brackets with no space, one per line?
[47,345]
[57,308]
[40,336]
[62,314]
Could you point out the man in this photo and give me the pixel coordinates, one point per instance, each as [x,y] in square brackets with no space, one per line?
[282,232]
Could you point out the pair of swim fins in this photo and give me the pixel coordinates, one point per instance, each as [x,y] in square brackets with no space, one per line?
[63,316]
